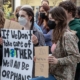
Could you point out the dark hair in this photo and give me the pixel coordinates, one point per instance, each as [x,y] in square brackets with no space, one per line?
[2,19]
[29,12]
[78,10]
[16,12]
[46,8]
[45,1]
[69,6]
[59,15]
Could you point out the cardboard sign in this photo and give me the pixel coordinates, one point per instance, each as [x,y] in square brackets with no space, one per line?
[9,24]
[17,63]
[41,64]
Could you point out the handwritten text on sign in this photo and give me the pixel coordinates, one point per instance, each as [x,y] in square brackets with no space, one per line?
[41,65]
[17,55]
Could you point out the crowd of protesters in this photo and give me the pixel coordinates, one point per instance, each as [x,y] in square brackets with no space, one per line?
[58,28]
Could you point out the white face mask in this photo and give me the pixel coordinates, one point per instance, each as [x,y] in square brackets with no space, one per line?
[22,21]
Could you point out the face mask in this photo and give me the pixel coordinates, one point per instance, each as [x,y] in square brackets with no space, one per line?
[17,15]
[22,21]
[51,24]
[42,15]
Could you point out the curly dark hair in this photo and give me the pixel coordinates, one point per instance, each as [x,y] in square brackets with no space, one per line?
[69,6]
[2,19]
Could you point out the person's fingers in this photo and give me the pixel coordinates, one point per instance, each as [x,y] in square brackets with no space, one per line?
[34,59]
[33,38]
[50,60]
[50,57]
[1,41]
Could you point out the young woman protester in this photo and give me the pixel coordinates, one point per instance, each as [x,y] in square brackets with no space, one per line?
[26,19]
[65,53]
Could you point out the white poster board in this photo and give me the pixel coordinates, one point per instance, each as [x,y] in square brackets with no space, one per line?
[17,60]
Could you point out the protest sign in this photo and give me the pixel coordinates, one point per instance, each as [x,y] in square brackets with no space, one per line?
[9,24]
[41,64]
[17,60]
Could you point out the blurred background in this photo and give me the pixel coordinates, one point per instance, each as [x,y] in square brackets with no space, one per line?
[8,6]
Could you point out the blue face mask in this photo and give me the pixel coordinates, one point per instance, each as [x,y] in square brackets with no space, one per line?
[22,21]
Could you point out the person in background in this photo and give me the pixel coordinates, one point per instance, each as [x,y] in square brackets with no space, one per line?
[16,13]
[74,24]
[43,23]
[36,15]
[46,2]
[2,22]
[65,53]
[78,13]
[36,26]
